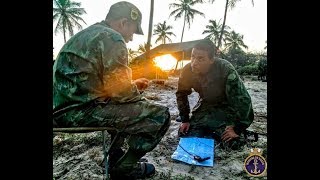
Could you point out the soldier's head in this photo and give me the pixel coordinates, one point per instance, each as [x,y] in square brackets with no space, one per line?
[125,18]
[202,56]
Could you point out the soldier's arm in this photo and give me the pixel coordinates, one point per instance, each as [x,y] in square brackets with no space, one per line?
[117,76]
[184,89]
[241,112]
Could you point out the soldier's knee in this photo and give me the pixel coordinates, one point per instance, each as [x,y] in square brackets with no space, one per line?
[161,115]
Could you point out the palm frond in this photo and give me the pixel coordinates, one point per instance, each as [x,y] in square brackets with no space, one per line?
[75,22]
[56,10]
[70,27]
[77,18]
[74,4]
[176,11]
[76,11]
[206,31]
[57,3]
[55,16]
[193,12]
[196,2]
[173,5]
[59,25]
[232,3]
[158,39]
[188,19]
[168,39]
[171,33]
[178,15]
[208,37]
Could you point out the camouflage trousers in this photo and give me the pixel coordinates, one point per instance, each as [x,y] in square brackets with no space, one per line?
[210,122]
[142,122]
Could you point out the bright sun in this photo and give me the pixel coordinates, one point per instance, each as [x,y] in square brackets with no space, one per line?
[165,62]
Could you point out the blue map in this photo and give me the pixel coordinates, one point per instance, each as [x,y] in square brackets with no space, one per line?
[191,146]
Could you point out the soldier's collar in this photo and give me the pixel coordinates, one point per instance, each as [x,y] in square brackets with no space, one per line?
[105,23]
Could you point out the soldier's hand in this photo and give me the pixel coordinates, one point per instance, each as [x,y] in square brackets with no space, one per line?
[142,83]
[229,134]
[184,128]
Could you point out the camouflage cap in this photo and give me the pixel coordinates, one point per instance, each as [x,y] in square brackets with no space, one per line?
[128,10]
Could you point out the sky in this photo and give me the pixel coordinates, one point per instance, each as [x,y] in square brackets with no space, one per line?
[245,19]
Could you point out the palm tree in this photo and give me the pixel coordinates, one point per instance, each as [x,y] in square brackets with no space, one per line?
[132,54]
[185,8]
[163,31]
[68,14]
[143,48]
[235,41]
[231,4]
[214,30]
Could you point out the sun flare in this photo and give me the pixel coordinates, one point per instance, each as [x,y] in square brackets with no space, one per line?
[165,62]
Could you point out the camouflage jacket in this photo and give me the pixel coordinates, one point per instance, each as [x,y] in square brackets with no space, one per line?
[221,87]
[93,65]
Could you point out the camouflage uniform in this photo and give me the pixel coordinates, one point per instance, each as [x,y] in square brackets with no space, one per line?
[92,85]
[224,100]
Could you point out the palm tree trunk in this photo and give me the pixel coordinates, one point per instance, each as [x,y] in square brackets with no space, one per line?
[150,29]
[184,23]
[64,35]
[147,69]
[223,24]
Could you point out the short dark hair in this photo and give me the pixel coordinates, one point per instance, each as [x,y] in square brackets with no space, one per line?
[206,45]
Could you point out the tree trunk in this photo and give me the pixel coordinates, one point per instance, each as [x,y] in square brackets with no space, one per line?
[223,24]
[64,35]
[184,23]
[147,68]
[150,29]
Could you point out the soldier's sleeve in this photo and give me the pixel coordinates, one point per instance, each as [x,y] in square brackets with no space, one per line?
[117,78]
[241,112]
[184,89]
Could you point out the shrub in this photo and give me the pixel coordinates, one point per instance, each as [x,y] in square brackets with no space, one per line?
[248,70]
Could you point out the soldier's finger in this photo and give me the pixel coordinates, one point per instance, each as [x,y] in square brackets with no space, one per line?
[225,132]
[230,138]
[224,137]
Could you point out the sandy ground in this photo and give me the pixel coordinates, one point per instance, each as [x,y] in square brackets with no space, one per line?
[78,156]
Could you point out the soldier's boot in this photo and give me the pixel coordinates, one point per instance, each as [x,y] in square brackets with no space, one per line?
[114,156]
[128,167]
[141,170]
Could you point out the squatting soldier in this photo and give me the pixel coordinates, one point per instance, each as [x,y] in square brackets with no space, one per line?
[224,108]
